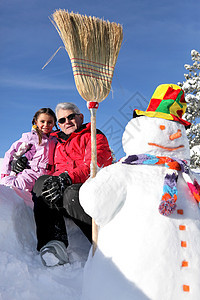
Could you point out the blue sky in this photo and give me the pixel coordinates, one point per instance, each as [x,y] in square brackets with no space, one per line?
[158,38]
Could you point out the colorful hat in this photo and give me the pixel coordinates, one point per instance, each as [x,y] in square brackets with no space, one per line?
[167,102]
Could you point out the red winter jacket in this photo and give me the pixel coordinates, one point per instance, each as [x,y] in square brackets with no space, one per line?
[73,153]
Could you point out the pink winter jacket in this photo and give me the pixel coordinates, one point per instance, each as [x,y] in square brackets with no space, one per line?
[40,160]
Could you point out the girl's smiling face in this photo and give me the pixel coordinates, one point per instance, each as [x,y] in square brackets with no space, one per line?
[45,123]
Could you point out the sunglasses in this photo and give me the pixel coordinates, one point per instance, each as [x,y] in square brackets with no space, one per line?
[70,117]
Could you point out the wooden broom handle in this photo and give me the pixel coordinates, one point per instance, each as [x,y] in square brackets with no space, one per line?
[93,168]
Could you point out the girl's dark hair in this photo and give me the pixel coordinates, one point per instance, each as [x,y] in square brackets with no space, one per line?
[45,110]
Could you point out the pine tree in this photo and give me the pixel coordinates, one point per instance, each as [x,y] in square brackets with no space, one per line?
[191,87]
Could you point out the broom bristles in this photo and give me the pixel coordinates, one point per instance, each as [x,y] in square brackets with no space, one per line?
[93,46]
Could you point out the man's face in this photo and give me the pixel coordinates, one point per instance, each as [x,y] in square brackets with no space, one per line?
[70,125]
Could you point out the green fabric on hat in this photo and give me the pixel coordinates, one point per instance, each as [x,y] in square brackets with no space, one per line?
[165,105]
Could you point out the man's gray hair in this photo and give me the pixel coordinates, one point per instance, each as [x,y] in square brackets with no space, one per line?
[65,106]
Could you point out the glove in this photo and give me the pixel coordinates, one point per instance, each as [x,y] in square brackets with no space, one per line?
[19,165]
[53,189]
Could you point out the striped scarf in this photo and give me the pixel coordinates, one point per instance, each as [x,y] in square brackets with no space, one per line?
[169,196]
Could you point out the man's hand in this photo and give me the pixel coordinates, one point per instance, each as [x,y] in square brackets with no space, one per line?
[19,165]
[51,192]
[53,189]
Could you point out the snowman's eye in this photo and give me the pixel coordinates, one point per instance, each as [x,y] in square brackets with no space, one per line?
[162,127]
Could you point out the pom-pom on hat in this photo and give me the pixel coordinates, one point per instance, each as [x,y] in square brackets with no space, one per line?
[167,102]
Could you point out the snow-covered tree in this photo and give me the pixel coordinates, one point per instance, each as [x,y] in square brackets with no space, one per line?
[191,87]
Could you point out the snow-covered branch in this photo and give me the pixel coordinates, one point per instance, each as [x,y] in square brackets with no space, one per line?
[191,87]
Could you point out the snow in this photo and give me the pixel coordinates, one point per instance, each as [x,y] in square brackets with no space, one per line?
[195,150]
[50,259]
[22,275]
[138,255]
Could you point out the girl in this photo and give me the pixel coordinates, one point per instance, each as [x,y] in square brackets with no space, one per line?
[37,147]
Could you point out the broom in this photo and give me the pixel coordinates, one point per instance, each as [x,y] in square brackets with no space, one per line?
[93,46]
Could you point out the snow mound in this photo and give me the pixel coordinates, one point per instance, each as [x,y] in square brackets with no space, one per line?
[22,275]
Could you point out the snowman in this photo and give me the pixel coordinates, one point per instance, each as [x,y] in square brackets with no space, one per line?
[146,207]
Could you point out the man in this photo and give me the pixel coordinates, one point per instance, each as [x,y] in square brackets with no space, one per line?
[56,196]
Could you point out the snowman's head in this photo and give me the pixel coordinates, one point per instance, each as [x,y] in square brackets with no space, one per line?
[156,136]
[160,130]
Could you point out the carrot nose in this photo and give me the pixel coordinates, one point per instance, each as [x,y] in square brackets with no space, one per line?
[176,135]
